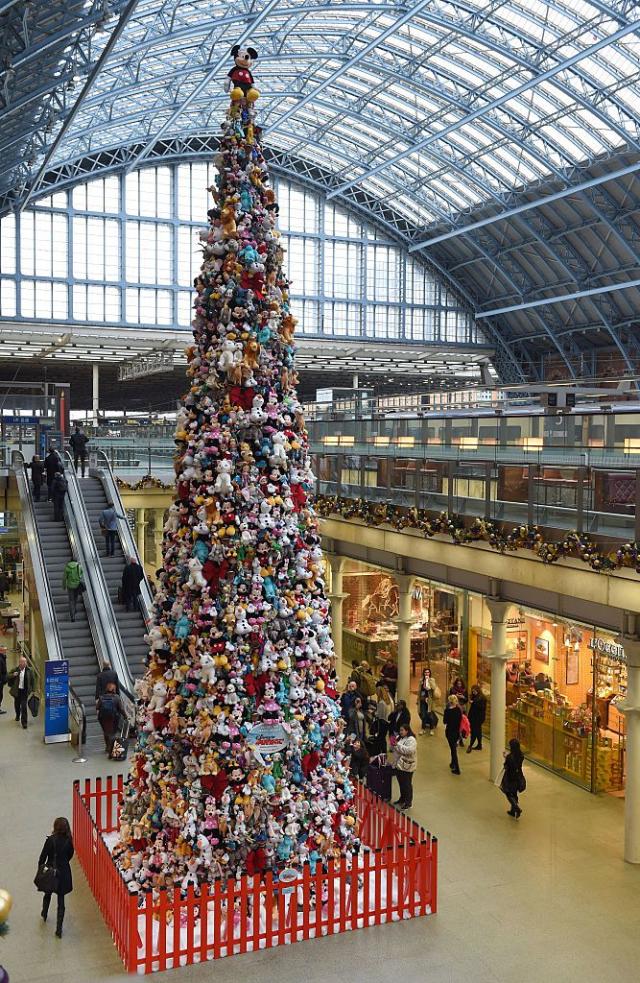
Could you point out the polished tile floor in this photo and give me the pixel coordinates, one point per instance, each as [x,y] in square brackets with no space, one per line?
[546,899]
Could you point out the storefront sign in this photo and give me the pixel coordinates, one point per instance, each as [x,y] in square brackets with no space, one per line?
[515,622]
[56,701]
[611,649]
[145,365]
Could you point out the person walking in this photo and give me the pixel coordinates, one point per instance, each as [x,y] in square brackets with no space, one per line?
[513,780]
[57,853]
[73,583]
[452,718]
[3,675]
[356,721]
[52,464]
[459,690]
[399,717]
[132,577]
[477,715]
[108,520]
[78,442]
[426,699]
[37,476]
[109,706]
[58,492]
[404,761]
[106,676]
[4,584]
[21,686]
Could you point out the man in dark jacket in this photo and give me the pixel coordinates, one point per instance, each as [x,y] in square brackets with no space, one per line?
[58,491]
[105,676]
[4,584]
[132,577]
[3,675]
[37,476]
[22,685]
[78,442]
[52,464]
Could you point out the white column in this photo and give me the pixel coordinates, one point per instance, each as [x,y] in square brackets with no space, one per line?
[631,710]
[141,525]
[95,402]
[404,622]
[498,656]
[336,598]
[158,536]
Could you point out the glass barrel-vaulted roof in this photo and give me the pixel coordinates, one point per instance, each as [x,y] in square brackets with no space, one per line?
[424,111]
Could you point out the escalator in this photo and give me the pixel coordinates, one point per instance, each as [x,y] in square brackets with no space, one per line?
[97,492]
[93,638]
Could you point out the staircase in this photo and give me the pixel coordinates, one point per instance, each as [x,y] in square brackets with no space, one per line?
[75,637]
[130,623]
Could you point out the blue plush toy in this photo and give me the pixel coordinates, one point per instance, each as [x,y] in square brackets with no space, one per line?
[268,782]
[284,847]
[201,550]
[183,627]
[269,588]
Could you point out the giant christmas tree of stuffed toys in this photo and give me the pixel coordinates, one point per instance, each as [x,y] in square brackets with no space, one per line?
[239,764]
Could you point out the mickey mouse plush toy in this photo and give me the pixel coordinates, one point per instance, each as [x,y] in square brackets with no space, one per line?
[240,84]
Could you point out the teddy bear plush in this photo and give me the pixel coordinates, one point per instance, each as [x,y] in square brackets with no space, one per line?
[196,580]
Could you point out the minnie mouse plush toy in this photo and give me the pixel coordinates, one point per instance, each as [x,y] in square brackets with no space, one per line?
[240,84]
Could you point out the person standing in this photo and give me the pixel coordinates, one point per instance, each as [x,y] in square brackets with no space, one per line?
[73,583]
[404,761]
[384,708]
[109,706]
[513,780]
[399,717]
[57,852]
[37,476]
[348,698]
[58,492]
[21,686]
[356,721]
[4,584]
[105,677]
[132,577]
[426,697]
[366,684]
[389,676]
[459,690]
[452,718]
[477,715]
[78,442]
[52,464]
[3,675]
[359,761]
[108,520]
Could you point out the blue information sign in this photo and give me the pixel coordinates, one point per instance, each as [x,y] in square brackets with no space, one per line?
[56,701]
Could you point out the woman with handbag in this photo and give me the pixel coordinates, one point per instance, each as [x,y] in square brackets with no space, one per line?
[404,760]
[54,870]
[513,780]
[426,699]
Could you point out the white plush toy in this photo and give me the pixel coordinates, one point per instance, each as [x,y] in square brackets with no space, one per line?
[278,458]
[155,638]
[229,355]
[223,481]
[195,574]
[159,697]
[173,522]
[207,669]
[257,414]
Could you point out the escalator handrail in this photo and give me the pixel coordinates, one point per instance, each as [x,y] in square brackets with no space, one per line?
[104,629]
[41,577]
[129,546]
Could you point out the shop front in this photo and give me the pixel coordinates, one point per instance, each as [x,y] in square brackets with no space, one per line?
[565,682]
[370,629]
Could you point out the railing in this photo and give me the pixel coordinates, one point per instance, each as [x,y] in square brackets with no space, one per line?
[102,622]
[393,878]
[129,546]
[133,457]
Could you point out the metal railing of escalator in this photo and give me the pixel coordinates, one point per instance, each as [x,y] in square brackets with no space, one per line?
[102,621]
[105,473]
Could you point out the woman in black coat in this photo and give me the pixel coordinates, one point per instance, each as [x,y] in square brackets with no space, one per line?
[452,718]
[57,852]
[513,780]
[477,715]
[400,717]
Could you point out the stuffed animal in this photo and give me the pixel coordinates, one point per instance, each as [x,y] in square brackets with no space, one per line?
[196,580]
[278,457]
[159,697]
[240,80]
[208,669]
[223,484]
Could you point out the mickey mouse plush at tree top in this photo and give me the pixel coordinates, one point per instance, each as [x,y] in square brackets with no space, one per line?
[240,84]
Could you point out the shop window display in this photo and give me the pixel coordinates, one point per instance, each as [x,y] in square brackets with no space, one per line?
[370,624]
[564,685]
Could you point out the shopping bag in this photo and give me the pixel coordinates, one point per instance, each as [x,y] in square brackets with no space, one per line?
[432,718]
[499,779]
[120,749]
[465,726]
[379,775]
[46,879]
[34,704]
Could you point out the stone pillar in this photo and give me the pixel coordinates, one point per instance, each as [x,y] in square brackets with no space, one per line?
[404,622]
[631,710]
[336,598]
[498,657]
[158,535]
[95,400]
[141,525]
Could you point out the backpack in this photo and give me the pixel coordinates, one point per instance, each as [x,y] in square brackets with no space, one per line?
[74,574]
[107,703]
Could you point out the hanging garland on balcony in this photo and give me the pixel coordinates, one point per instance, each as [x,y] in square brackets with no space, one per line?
[145,483]
[574,545]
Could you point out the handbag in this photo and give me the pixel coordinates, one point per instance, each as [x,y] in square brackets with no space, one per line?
[46,879]
[34,704]
[465,726]
[522,782]
[432,718]
[81,588]
[499,778]
[437,692]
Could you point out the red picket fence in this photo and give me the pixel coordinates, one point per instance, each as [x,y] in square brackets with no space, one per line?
[395,878]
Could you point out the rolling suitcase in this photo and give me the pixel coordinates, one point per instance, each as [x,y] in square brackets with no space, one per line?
[379,775]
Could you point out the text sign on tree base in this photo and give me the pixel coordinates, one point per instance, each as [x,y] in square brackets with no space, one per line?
[56,701]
